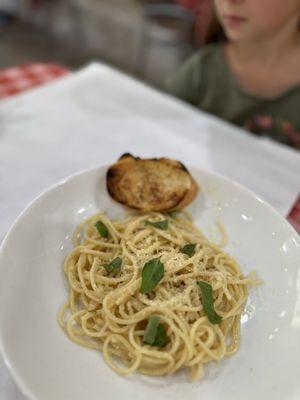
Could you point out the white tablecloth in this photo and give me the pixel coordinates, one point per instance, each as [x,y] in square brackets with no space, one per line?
[95,115]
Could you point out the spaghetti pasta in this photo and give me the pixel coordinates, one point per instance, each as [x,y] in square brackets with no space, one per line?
[106,310]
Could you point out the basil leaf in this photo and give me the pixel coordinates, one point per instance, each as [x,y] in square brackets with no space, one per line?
[151,330]
[174,213]
[101,228]
[155,333]
[208,302]
[153,272]
[114,266]
[163,225]
[188,249]
[161,336]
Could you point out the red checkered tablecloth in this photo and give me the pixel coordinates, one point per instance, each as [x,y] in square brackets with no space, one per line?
[294,215]
[17,79]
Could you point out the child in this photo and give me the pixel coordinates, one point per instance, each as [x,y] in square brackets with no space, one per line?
[252,79]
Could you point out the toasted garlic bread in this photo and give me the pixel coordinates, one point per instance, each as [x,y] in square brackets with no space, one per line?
[157,184]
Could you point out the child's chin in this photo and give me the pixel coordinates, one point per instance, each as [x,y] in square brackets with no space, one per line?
[236,36]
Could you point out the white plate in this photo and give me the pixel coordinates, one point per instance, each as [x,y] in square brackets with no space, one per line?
[47,366]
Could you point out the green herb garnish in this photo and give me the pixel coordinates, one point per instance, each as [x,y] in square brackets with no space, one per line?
[188,249]
[114,266]
[174,213]
[161,336]
[163,225]
[155,333]
[208,302]
[102,229]
[151,330]
[152,273]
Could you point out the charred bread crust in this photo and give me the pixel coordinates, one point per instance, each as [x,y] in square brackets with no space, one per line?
[155,184]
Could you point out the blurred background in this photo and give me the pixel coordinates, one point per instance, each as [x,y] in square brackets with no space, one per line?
[147,39]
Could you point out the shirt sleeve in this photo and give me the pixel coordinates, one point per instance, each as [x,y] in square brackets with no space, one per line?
[187,82]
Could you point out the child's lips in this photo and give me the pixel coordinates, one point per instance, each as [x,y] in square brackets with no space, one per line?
[234,20]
